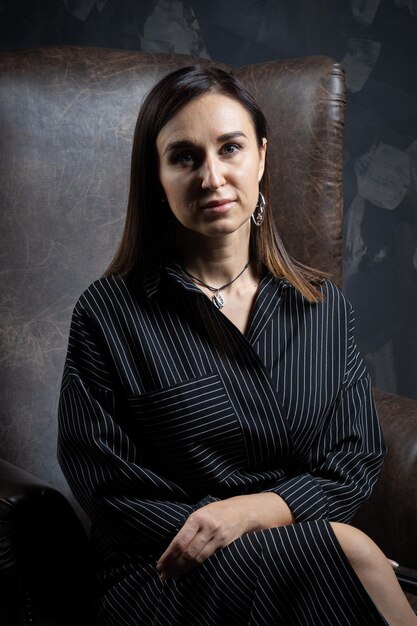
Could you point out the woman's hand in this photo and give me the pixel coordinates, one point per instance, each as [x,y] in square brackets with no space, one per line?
[216,525]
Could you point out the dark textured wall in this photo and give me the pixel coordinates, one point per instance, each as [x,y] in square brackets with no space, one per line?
[376,40]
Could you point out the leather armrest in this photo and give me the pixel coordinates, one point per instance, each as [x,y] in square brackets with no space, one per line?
[390,516]
[407,579]
[16,485]
[44,565]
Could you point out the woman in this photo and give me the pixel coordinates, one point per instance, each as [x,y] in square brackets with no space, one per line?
[216,419]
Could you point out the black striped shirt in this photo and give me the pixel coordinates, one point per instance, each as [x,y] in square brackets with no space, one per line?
[166,406]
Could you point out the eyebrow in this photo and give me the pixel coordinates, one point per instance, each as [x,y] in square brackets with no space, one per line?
[184,143]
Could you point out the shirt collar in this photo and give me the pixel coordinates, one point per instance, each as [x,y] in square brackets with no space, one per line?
[151,276]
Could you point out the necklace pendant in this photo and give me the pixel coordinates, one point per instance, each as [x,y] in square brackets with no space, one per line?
[218,300]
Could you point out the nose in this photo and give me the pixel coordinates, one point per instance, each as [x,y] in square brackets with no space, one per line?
[212,174]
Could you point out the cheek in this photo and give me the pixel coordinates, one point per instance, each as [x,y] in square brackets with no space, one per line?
[177,198]
[171,188]
[173,182]
[164,177]
[248,179]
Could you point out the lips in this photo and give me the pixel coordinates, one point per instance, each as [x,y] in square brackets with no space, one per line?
[221,202]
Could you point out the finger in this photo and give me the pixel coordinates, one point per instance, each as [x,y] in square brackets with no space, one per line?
[394,564]
[190,559]
[179,543]
[189,554]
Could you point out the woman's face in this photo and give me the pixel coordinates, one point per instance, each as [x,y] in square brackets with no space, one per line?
[210,165]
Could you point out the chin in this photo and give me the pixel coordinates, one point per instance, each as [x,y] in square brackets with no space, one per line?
[222,228]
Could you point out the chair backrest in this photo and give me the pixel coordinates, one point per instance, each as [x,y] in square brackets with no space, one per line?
[66,125]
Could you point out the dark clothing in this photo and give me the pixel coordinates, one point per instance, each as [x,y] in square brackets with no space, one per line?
[166,406]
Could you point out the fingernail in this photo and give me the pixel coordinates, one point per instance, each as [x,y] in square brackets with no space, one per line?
[394,563]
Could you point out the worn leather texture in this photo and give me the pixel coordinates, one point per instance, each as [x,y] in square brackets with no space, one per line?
[66,125]
[390,516]
[304,102]
[43,555]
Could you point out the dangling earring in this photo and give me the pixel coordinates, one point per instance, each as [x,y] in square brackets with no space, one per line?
[259,218]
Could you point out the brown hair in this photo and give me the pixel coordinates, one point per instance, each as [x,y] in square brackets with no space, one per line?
[148,219]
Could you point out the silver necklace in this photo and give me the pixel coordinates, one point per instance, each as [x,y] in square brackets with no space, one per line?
[217,298]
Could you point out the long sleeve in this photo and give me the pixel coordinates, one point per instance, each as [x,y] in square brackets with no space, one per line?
[157,419]
[134,508]
[165,407]
[347,454]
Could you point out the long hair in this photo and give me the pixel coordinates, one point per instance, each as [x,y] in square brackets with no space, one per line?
[149,220]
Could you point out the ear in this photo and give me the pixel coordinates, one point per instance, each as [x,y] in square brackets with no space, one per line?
[262,153]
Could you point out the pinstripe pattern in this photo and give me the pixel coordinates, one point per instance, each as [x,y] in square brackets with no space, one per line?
[165,406]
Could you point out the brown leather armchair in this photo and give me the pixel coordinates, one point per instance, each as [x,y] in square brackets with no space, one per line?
[66,125]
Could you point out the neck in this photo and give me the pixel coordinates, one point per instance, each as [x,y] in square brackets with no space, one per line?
[215,260]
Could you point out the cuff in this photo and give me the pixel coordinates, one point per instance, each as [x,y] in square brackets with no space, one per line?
[304,497]
[206,500]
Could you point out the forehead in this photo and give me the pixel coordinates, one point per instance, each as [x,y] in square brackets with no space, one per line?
[212,114]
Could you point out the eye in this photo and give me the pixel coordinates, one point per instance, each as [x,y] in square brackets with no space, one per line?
[182,158]
[230,148]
